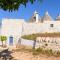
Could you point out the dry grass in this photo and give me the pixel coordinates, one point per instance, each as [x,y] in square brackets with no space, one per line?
[39,51]
[34,36]
[26,55]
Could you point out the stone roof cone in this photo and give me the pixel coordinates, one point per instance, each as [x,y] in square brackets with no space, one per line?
[46,17]
[58,18]
[35,17]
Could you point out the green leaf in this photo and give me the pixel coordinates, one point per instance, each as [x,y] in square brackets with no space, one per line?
[40,1]
[12,5]
[31,1]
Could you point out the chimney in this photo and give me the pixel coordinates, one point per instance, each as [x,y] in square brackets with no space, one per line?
[47,13]
[36,15]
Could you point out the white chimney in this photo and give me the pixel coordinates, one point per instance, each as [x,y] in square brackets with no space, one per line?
[47,13]
[36,15]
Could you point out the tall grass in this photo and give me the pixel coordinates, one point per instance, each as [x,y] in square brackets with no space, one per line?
[48,52]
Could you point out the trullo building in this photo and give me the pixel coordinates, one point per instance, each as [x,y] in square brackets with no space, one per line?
[15,28]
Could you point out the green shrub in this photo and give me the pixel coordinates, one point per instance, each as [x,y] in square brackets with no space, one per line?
[29,37]
[42,51]
[39,50]
[49,52]
[33,36]
[3,38]
[58,53]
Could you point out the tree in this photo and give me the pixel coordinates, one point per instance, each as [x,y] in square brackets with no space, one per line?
[3,38]
[14,4]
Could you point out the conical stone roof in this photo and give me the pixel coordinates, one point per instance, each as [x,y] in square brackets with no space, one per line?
[58,18]
[33,18]
[46,17]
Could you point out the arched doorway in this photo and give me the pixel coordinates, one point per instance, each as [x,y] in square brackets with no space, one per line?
[11,40]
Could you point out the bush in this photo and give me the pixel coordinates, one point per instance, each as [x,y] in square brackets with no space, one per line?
[42,51]
[3,38]
[58,53]
[49,52]
[29,37]
[39,50]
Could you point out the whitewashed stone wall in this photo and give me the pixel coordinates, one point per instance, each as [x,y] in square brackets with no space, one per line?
[12,27]
[31,28]
[18,27]
[52,43]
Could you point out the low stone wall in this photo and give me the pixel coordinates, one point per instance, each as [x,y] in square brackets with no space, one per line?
[27,42]
[48,43]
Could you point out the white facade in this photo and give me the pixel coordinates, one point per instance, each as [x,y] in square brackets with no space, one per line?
[18,27]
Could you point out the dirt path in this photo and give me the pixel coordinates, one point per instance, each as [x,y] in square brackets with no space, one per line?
[29,56]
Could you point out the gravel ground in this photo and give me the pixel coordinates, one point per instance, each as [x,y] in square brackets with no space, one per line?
[28,56]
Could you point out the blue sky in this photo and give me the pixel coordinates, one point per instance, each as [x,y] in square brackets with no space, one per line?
[52,6]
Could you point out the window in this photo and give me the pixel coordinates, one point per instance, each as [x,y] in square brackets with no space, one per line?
[51,25]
